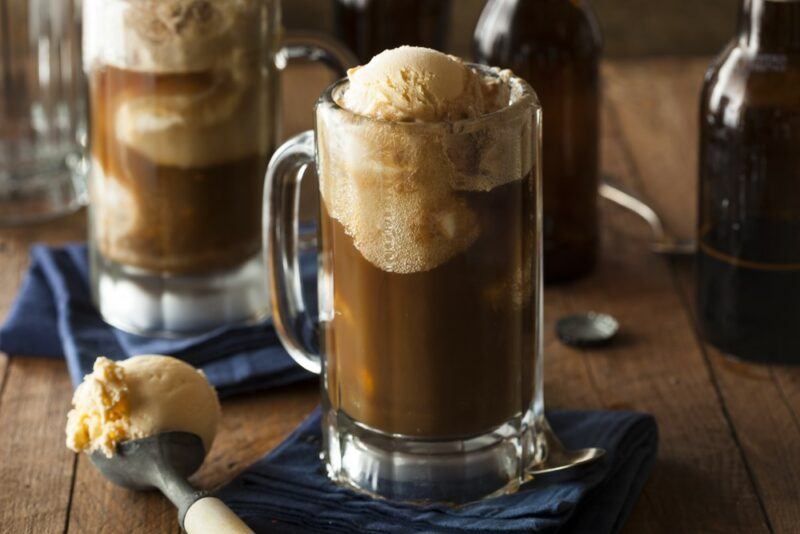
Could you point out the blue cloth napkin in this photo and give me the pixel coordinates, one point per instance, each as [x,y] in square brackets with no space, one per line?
[287,490]
[53,316]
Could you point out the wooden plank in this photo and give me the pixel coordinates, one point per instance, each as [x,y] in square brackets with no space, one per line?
[251,426]
[3,369]
[35,466]
[99,506]
[761,402]
[15,244]
[656,102]
[788,379]
[781,496]
[700,483]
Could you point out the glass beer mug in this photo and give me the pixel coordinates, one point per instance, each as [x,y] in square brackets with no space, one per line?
[42,111]
[184,114]
[429,287]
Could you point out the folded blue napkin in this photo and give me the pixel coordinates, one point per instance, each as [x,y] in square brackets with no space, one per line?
[287,491]
[53,316]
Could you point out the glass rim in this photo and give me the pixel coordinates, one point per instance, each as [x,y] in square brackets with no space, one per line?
[522,98]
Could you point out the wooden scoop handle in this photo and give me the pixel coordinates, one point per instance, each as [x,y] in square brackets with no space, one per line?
[209,515]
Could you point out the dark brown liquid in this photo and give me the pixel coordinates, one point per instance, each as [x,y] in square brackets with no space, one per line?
[443,353]
[555,46]
[369,27]
[195,219]
[748,263]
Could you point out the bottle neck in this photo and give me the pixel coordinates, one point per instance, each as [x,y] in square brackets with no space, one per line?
[770,26]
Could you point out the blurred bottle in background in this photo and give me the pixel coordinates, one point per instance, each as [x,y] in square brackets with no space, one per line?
[748,262]
[369,27]
[42,110]
[556,46]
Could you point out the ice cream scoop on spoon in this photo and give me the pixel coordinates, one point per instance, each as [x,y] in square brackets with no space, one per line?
[148,422]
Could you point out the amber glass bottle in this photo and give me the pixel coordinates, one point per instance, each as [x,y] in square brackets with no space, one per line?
[369,27]
[556,46]
[748,262]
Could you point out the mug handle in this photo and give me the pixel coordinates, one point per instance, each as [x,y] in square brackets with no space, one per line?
[282,205]
[318,47]
[281,230]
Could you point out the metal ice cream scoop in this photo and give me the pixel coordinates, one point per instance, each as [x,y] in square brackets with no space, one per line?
[164,461]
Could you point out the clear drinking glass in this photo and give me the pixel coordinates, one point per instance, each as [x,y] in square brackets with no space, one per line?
[184,115]
[42,110]
[429,285]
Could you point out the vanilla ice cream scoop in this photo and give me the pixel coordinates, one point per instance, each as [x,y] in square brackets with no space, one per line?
[419,84]
[140,397]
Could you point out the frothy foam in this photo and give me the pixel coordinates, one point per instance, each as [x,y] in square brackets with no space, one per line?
[217,111]
[400,191]
[168,35]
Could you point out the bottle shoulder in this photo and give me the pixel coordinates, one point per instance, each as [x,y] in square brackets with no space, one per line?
[743,78]
[508,27]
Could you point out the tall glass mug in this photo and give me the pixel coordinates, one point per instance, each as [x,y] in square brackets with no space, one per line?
[42,110]
[429,283]
[184,114]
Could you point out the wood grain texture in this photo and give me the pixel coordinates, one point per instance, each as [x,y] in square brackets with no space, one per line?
[658,367]
[656,103]
[761,402]
[15,245]
[788,380]
[251,426]
[35,466]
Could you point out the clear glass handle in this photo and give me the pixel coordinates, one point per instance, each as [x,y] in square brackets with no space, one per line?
[318,47]
[281,215]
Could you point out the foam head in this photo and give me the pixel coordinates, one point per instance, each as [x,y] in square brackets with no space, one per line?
[400,188]
[167,35]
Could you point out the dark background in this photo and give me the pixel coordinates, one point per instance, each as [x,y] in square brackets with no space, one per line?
[630,27]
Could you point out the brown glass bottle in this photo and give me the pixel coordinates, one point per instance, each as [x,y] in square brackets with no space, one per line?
[369,27]
[748,262]
[555,45]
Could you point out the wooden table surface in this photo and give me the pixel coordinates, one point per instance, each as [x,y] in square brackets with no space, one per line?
[730,433]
